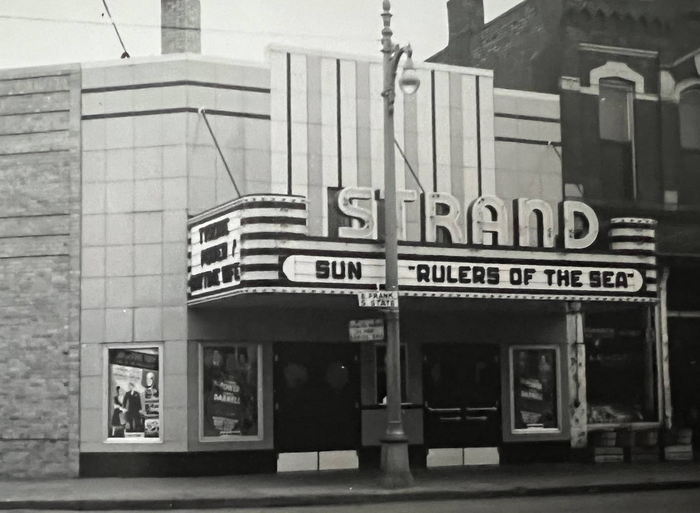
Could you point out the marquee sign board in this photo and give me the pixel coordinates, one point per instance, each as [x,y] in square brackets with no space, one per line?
[260,244]
[465,275]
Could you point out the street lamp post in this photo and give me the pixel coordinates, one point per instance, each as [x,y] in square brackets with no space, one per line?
[395,467]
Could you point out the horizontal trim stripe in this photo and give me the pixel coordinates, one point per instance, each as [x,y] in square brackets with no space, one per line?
[38,152]
[35,256]
[278,236]
[33,113]
[175,83]
[31,93]
[264,287]
[511,293]
[34,235]
[22,216]
[273,220]
[223,209]
[631,238]
[32,132]
[175,110]
[527,118]
[259,267]
[528,141]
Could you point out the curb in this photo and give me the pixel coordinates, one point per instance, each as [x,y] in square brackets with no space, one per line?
[338,499]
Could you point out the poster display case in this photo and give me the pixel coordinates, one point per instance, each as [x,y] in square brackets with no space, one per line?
[134,402]
[230,392]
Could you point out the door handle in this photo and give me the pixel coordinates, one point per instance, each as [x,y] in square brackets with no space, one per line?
[450,419]
[480,418]
[478,409]
[442,410]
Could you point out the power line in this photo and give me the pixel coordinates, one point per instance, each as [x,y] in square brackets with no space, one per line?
[158,26]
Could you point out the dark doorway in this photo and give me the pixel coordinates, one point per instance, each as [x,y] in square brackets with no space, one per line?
[684,359]
[462,391]
[317,397]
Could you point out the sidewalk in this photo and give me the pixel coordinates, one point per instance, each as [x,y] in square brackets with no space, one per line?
[342,487]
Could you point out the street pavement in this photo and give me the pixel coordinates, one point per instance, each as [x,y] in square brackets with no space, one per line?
[672,501]
[520,484]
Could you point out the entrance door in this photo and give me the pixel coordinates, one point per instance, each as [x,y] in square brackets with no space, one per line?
[317,397]
[684,337]
[461,390]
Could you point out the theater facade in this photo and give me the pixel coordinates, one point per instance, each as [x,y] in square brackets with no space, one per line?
[226,239]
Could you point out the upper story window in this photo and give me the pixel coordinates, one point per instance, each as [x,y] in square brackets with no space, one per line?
[689,109]
[615,110]
[616,131]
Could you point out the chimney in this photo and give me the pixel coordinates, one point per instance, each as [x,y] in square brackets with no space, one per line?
[180,26]
[465,15]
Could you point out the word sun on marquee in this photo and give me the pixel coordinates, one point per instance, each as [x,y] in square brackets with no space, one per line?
[489,249]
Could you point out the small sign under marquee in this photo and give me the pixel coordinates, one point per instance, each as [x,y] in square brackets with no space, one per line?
[366,330]
[378,299]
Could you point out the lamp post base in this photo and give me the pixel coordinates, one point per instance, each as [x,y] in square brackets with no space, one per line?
[396,472]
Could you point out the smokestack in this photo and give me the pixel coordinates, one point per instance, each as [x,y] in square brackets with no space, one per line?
[180,26]
[465,15]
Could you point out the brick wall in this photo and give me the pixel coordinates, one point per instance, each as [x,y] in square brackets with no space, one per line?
[39,271]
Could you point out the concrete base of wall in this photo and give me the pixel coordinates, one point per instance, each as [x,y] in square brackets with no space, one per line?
[458,456]
[323,460]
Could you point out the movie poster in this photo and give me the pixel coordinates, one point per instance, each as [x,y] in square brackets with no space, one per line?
[534,382]
[134,410]
[230,390]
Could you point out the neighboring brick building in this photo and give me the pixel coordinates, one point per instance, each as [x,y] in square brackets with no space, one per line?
[39,270]
[628,74]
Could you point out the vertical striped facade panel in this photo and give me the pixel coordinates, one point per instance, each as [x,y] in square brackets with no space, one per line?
[316,192]
[376,109]
[413,225]
[278,122]
[329,131]
[364,132]
[441,137]
[348,122]
[299,124]
[327,122]
[424,129]
[486,141]
[399,129]
[456,138]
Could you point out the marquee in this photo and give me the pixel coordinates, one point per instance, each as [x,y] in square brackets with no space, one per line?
[260,244]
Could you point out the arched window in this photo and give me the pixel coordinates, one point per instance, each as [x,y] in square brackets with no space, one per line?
[689,110]
[616,131]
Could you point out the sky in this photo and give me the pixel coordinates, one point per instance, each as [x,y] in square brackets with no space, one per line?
[34,32]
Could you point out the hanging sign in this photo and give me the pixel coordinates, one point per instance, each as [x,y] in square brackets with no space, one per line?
[366,330]
[378,299]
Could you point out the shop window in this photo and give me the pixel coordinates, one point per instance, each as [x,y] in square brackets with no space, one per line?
[134,413]
[620,376]
[616,131]
[381,373]
[689,110]
[231,391]
[534,372]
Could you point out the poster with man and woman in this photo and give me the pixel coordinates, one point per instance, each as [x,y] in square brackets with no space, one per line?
[134,410]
